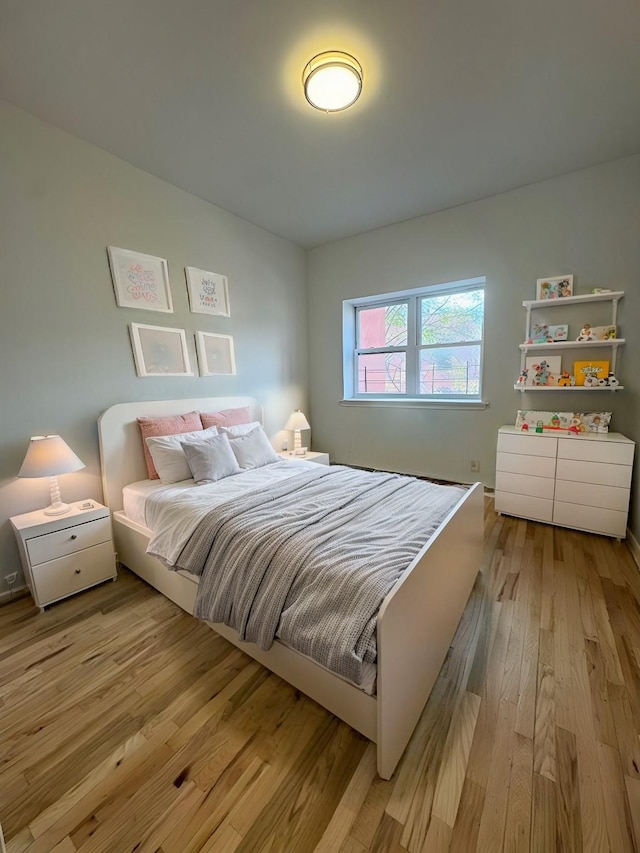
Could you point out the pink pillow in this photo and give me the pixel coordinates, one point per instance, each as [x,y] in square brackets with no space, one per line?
[167,425]
[226,417]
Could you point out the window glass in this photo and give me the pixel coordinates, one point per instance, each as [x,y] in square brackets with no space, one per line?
[382,373]
[383,326]
[452,317]
[450,370]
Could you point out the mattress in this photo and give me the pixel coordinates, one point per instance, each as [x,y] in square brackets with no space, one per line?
[134,499]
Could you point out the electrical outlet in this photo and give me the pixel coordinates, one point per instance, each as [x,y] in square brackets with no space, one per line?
[475,465]
[11,579]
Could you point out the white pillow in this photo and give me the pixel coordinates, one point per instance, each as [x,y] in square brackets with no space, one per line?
[168,455]
[211,460]
[239,429]
[254,449]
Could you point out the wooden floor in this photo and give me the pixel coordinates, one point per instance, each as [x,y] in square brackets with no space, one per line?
[125,725]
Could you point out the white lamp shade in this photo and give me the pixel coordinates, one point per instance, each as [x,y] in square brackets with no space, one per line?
[297,421]
[48,456]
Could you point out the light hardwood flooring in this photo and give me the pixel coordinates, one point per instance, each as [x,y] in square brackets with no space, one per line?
[126,725]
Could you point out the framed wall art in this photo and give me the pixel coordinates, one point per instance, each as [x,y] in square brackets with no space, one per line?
[216,356]
[554,288]
[158,351]
[208,292]
[140,281]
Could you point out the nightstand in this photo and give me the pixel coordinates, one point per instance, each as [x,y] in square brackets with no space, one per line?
[311,456]
[64,554]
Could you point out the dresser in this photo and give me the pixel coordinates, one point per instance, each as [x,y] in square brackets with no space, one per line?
[581,482]
[64,554]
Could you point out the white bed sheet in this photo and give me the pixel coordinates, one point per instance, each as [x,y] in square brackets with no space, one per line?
[172,513]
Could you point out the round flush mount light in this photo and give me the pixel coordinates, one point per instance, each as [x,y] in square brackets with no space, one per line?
[332,81]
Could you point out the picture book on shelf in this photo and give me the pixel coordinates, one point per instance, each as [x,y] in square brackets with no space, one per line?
[588,373]
[543,370]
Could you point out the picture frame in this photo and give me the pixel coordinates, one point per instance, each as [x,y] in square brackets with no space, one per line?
[208,292]
[216,354]
[557,287]
[559,333]
[543,370]
[140,281]
[160,351]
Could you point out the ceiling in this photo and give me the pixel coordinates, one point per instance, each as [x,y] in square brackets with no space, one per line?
[462,99]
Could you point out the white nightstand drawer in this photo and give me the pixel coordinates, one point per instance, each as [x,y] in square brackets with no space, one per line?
[52,545]
[524,505]
[594,472]
[613,452]
[586,494]
[529,445]
[537,466]
[69,574]
[594,519]
[523,484]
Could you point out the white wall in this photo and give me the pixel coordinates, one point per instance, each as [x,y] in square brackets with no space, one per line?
[586,223]
[64,344]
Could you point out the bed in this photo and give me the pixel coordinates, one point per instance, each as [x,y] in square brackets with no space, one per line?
[416,622]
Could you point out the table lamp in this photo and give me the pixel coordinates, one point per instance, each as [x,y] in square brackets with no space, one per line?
[295,424]
[48,456]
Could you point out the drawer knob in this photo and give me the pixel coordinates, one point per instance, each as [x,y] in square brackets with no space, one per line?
[74,535]
[78,571]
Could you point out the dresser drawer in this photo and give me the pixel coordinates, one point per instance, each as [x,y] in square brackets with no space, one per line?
[612,452]
[529,445]
[52,545]
[593,519]
[66,575]
[523,484]
[586,494]
[526,506]
[598,473]
[537,466]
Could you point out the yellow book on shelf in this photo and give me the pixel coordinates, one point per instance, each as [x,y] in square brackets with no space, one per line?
[589,372]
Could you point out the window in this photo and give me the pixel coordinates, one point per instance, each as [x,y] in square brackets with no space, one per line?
[421,344]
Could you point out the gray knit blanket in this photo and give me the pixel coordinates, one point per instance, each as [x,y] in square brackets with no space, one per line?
[310,559]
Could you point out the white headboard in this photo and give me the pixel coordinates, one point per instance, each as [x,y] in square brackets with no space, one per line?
[121,456]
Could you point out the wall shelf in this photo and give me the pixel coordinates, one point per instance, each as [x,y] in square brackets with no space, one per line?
[613,296]
[585,388]
[613,345]
[556,345]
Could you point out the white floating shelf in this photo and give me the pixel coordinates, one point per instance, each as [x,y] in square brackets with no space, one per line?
[613,342]
[573,300]
[526,388]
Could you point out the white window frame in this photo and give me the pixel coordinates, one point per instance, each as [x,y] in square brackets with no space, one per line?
[412,349]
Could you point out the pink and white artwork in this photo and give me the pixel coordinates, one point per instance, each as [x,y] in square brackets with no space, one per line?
[208,292]
[140,281]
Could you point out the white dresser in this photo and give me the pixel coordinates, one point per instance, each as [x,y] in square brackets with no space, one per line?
[573,481]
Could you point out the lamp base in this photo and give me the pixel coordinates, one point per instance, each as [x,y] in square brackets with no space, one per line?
[57,509]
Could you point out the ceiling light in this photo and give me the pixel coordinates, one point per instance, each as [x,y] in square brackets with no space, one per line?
[332,81]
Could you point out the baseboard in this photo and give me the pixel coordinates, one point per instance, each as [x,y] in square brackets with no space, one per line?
[13,594]
[634,547]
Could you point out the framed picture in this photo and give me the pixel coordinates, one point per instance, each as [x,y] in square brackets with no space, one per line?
[208,292]
[588,373]
[543,370]
[140,281]
[559,333]
[215,354]
[554,288]
[158,351]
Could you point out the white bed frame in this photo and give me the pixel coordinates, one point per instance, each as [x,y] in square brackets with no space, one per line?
[416,623]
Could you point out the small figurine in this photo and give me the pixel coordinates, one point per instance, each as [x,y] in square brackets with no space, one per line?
[585,333]
[603,382]
[525,427]
[591,380]
[539,426]
[565,379]
[522,379]
[612,382]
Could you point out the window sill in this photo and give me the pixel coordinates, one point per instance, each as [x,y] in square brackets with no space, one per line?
[414,403]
